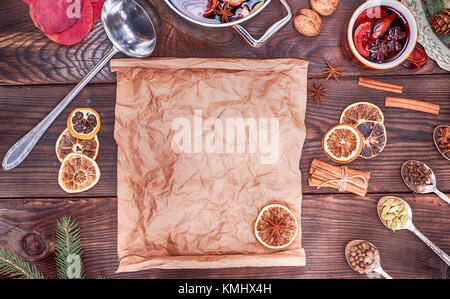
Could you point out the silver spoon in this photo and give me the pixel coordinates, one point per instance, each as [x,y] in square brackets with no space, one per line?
[130,26]
[435,132]
[429,188]
[377,265]
[410,226]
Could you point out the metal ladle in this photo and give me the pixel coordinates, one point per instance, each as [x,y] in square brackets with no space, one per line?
[130,26]
[410,226]
[377,265]
[427,188]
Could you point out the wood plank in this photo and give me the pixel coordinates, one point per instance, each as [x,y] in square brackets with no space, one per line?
[329,222]
[28,57]
[409,134]
[22,108]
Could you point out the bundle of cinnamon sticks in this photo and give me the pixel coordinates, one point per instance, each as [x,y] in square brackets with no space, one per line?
[344,179]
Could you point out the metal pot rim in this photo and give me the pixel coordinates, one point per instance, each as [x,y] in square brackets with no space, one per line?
[222,25]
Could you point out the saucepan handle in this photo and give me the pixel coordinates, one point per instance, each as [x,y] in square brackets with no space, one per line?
[270,32]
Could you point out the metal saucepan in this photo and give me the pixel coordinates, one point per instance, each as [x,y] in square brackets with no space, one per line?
[236,24]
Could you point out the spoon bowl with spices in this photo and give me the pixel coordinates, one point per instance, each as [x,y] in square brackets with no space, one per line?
[420,178]
[363,257]
[441,137]
[396,214]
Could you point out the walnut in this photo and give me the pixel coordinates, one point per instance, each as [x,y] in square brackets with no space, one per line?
[324,7]
[308,22]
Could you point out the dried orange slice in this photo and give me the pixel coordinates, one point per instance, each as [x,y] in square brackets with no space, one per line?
[369,120]
[276,226]
[342,143]
[83,123]
[78,173]
[375,138]
[360,112]
[67,144]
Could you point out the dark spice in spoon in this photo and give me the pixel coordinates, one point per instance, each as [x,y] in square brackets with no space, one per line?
[416,174]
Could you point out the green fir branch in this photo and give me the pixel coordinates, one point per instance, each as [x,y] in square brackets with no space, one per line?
[11,265]
[68,249]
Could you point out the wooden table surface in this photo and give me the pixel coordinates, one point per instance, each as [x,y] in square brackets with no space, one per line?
[35,74]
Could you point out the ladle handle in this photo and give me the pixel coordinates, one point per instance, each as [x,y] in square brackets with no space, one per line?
[442,195]
[430,244]
[22,148]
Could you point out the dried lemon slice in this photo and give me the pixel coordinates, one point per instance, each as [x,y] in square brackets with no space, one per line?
[342,143]
[83,123]
[276,226]
[67,144]
[360,112]
[78,173]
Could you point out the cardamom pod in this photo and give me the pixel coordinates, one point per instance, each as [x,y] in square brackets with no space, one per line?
[397,202]
[389,201]
[385,210]
[388,216]
[393,209]
[393,225]
[404,218]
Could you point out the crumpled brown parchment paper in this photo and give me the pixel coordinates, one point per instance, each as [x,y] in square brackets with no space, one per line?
[187,195]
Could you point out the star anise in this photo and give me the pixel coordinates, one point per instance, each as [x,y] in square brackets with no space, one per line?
[317,92]
[332,71]
[379,50]
[396,33]
[394,36]
[276,227]
[443,140]
[225,12]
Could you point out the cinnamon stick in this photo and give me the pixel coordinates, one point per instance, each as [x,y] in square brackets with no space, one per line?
[314,182]
[317,180]
[412,105]
[327,175]
[316,163]
[370,83]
